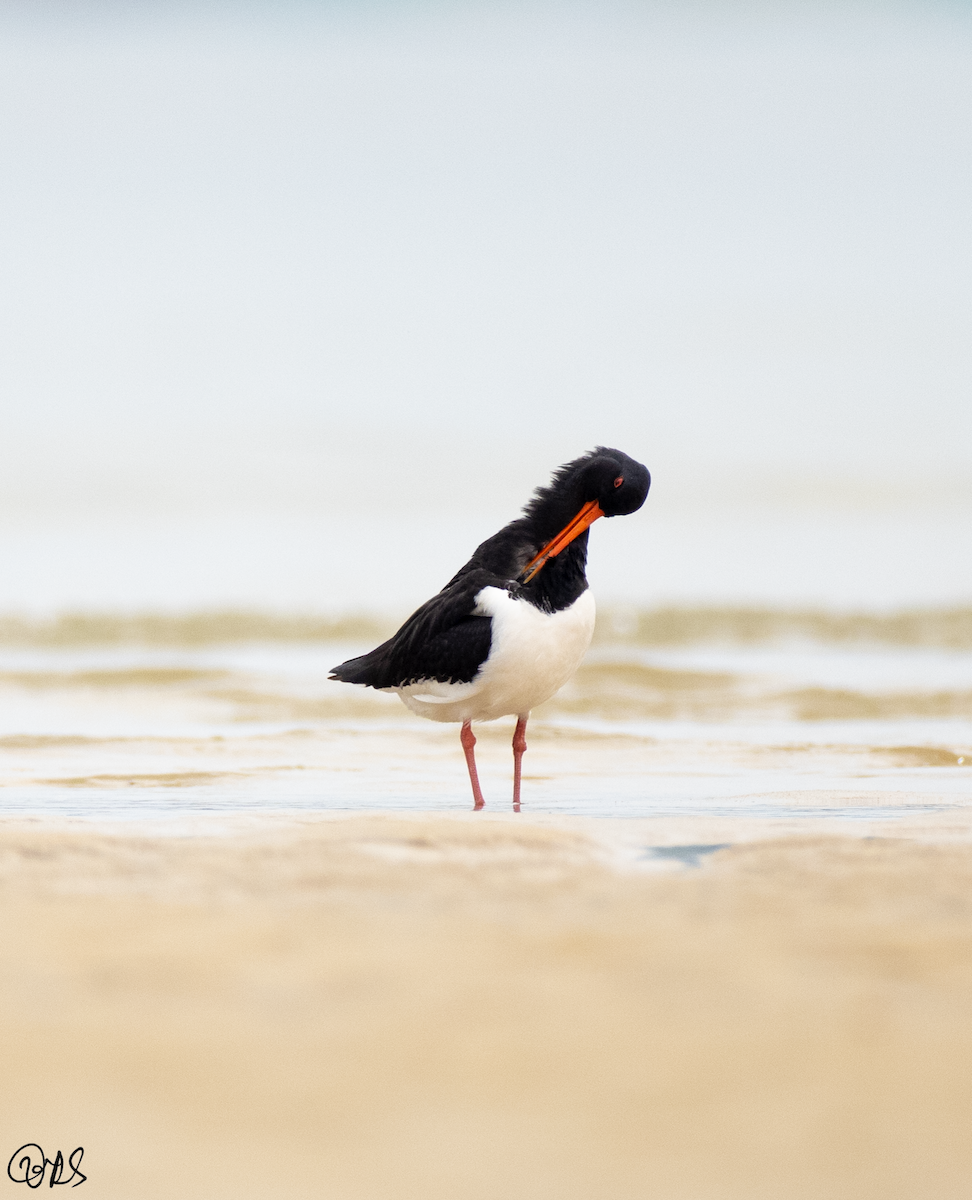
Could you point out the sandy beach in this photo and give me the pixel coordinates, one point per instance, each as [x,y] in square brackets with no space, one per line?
[379,1006]
[256,945]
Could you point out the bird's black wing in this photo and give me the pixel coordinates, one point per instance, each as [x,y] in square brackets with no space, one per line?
[504,555]
[443,640]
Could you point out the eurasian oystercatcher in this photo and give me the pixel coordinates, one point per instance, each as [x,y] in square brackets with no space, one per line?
[512,626]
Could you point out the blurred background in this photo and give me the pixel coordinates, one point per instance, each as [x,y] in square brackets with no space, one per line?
[301,300]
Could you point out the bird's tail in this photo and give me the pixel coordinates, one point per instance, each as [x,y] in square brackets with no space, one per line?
[366,670]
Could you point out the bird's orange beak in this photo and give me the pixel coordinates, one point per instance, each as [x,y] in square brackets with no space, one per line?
[584,519]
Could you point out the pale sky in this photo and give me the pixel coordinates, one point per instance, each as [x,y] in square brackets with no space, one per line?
[317,257]
[247,240]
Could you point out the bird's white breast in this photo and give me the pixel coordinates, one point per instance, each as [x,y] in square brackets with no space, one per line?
[532,655]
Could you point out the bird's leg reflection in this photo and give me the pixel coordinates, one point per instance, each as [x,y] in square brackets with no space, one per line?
[468,746]
[519,745]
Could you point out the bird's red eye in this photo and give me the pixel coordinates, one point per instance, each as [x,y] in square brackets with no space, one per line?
[619,481]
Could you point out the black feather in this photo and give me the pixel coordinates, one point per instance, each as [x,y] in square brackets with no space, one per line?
[445,639]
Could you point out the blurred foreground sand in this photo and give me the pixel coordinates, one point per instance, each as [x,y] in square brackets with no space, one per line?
[465,1009]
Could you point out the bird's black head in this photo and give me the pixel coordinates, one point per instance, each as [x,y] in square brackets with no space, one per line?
[604,483]
[618,483]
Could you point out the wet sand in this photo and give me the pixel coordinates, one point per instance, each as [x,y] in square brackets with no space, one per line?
[255,946]
[387,1006]
[115,731]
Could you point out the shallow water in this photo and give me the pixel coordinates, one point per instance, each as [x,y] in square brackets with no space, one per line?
[769,737]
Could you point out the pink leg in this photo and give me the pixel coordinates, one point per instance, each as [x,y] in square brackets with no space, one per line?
[519,745]
[468,746]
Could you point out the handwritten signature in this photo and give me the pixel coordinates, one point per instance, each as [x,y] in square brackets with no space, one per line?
[29,1164]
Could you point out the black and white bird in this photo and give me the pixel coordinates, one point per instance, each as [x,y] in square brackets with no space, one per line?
[512,626]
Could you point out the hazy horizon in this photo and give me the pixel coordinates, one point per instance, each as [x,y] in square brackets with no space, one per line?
[277,276]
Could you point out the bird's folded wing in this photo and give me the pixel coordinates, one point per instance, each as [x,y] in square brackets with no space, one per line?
[443,641]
